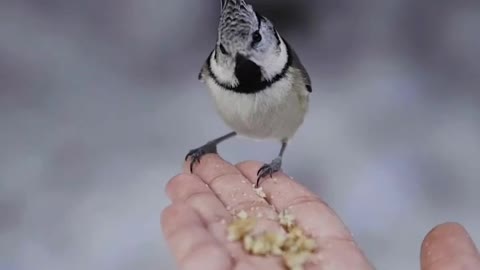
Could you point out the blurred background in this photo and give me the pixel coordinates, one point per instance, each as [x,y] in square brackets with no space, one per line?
[99,103]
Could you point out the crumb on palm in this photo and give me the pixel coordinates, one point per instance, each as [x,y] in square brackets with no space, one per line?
[286,219]
[296,261]
[294,246]
[242,215]
[297,241]
[268,243]
[240,227]
[259,192]
[298,248]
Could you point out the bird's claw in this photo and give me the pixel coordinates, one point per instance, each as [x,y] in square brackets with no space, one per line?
[269,170]
[198,153]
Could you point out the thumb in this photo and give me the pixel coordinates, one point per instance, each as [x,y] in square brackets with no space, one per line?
[447,247]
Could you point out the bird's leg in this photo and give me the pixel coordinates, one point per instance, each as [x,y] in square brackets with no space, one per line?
[208,148]
[273,167]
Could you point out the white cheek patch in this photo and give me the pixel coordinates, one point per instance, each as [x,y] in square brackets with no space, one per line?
[224,74]
[274,61]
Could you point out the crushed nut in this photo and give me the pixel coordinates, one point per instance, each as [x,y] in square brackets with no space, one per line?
[276,241]
[242,215]
[286,219]
[295,247]
[240,227]
[297,241]
[260,192]
[268,243]
[248,242]
[295,261]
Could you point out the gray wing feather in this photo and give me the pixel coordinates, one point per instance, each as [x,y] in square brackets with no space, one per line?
[296,63]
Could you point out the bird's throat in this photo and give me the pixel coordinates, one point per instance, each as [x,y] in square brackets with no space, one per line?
[248,73]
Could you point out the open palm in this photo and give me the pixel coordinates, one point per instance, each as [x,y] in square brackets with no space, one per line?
[195,223]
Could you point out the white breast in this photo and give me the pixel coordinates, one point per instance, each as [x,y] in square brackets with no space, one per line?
[274,113]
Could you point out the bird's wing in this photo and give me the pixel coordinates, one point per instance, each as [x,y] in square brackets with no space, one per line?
[296,63]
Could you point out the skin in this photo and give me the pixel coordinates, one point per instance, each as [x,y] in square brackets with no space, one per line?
[202,206]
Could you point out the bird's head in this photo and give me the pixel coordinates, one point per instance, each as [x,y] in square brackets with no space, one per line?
[246,36]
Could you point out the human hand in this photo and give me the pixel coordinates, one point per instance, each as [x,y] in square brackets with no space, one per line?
[195,223]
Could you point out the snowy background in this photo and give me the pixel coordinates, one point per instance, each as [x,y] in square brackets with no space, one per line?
[99,102]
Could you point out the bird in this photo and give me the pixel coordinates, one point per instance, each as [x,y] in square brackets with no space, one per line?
[258,84]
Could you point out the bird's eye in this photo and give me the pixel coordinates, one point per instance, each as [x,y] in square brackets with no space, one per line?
[256,37]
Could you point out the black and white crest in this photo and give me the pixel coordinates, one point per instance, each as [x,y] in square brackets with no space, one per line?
[234,2]
[236,23]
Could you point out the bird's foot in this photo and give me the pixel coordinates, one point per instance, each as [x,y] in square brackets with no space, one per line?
[198,153]
[269,169]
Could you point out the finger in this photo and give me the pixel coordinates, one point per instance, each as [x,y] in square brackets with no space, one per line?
[237,194]
[284,193]
[191,243]
[448,246]
[235,191]
[191,190]
[335,243]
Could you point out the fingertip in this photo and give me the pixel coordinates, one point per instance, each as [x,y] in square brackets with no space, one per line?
[447,229]
[170,214]
[212,166]
[205,163]
[166,212]
[448,243]
[187,236]
[249,165]
[175,185]
[251,169]
[221,258]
